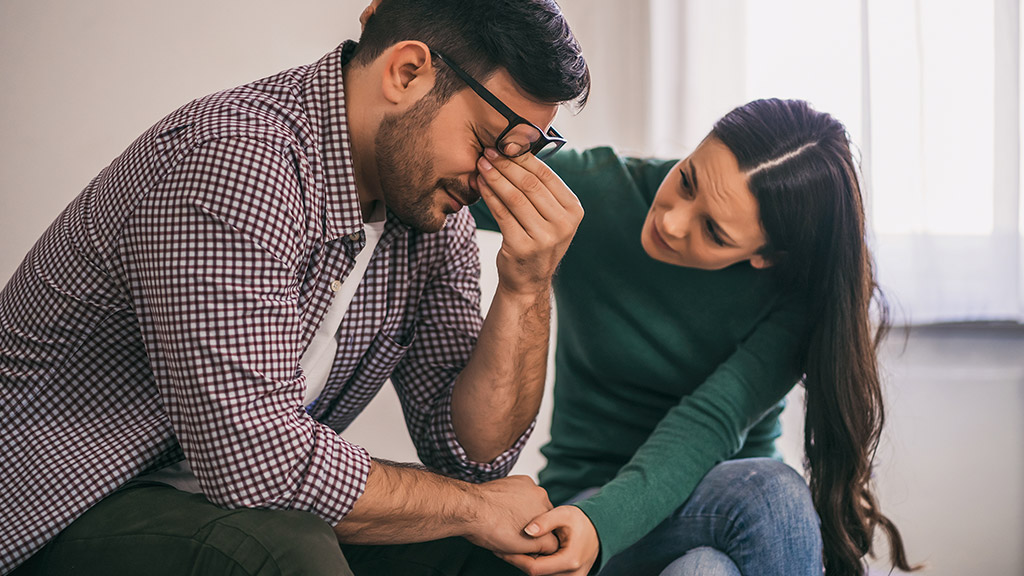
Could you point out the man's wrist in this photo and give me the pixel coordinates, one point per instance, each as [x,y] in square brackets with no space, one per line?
[525,294]
[469,517]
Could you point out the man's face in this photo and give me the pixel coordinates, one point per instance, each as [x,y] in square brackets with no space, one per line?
[427,157]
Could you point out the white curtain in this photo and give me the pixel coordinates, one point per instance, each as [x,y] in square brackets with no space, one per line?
[929,90]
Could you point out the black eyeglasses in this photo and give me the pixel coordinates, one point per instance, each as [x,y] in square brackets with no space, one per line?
[524,135]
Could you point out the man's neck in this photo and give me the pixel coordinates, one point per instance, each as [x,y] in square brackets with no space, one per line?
[362,127]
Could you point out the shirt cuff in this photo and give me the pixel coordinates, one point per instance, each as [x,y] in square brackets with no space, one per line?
[341,473]
[453,459]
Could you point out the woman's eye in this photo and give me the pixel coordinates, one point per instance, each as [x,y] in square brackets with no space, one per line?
[684,185]
[713,233]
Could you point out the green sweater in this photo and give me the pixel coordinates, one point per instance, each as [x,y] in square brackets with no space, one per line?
[661,372]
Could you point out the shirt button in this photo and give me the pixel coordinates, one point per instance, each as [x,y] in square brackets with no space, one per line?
[336,285]
[353,236]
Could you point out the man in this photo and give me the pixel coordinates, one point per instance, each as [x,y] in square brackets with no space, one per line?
[180,350]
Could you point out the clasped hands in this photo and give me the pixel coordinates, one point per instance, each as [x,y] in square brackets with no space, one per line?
[553,541]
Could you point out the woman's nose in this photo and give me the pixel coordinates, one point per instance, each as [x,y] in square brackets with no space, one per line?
[676,222]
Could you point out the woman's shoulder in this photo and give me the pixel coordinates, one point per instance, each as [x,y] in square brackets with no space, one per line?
[603,170]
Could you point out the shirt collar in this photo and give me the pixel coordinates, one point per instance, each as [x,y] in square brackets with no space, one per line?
[326,106]
[325,86]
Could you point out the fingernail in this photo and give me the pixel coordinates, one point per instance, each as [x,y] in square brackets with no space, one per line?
[532,529]
[513,149]
[485,165]
[490,153]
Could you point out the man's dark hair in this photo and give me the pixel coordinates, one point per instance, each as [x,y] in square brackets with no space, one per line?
[529,38]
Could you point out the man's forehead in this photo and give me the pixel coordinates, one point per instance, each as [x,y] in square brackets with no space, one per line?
[502,85]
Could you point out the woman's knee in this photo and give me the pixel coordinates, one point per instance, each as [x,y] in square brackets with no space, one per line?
[765,491]
[703,561]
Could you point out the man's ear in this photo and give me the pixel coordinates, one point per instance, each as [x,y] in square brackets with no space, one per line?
[408,72]
[367,12]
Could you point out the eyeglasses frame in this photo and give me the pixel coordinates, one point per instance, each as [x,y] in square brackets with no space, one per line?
[546,137]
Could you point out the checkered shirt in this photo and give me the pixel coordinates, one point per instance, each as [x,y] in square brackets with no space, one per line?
[163,315]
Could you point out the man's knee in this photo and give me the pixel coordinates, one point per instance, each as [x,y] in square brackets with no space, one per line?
[446,557]
[276,542]
[159,530]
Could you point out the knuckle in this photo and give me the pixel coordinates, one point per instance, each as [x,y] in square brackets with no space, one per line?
[499,212]
[517,201]
[532,184]
[543,238]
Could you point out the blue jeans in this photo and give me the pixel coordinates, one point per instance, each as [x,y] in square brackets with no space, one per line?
[749,517]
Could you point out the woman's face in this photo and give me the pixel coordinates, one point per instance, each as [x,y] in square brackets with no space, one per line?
[704,215]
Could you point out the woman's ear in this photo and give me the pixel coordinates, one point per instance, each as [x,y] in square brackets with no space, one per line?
[408,72]
[761,262]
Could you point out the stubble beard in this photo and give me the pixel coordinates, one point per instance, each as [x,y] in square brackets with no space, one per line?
[407,182]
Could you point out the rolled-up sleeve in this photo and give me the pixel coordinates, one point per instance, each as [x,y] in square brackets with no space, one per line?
[448,324]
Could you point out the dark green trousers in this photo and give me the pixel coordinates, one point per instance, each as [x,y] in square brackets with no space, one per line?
[156,530]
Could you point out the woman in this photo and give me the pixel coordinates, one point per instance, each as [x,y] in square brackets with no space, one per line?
[675,352]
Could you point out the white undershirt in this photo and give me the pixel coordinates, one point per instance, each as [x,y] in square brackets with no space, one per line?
[318,359]
[319,356]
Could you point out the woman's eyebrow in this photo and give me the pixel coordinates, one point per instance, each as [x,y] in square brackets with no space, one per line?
[721,231]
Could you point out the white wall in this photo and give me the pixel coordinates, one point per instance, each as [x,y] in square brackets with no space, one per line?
[80,80]
[950,468]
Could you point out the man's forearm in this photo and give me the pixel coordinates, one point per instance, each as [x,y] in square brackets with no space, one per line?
[404,504]
[498,394]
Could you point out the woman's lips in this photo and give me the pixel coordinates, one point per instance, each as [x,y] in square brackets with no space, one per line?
[658,239]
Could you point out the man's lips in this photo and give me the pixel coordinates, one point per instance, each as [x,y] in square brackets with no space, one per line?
[458,200]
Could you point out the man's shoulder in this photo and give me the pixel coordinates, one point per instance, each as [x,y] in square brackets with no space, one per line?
[269,109]
[251,111]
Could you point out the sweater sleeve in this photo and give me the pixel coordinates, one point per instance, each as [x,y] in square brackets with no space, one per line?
[702,430]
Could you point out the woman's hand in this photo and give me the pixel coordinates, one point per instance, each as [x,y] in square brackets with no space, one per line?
[578,545]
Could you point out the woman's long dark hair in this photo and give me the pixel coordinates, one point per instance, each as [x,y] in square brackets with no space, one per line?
[801,170]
